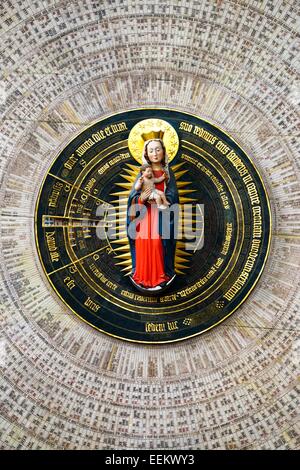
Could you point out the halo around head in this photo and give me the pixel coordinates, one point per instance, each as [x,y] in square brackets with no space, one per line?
[149,129]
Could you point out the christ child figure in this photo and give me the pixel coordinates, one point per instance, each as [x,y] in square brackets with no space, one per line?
[147,180]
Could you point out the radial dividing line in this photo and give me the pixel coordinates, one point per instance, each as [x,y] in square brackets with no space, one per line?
[77,261]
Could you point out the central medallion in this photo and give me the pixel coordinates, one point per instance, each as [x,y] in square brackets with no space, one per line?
[153,225]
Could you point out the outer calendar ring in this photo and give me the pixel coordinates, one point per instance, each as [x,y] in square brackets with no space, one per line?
[114,307]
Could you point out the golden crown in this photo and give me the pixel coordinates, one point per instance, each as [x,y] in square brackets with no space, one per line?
[159,134]
[151,129]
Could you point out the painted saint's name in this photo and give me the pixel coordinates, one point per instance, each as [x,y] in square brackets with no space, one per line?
[99,275]
[247,269]
[227,240]
[100,135]
[93,306]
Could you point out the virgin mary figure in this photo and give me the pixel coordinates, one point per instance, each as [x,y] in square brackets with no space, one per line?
[151,231]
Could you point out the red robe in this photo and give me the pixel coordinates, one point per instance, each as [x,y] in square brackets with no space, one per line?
[149,269]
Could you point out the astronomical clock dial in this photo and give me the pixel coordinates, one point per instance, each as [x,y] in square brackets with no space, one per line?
[218,213]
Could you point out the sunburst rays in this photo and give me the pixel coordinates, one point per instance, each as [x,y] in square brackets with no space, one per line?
[186,223]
